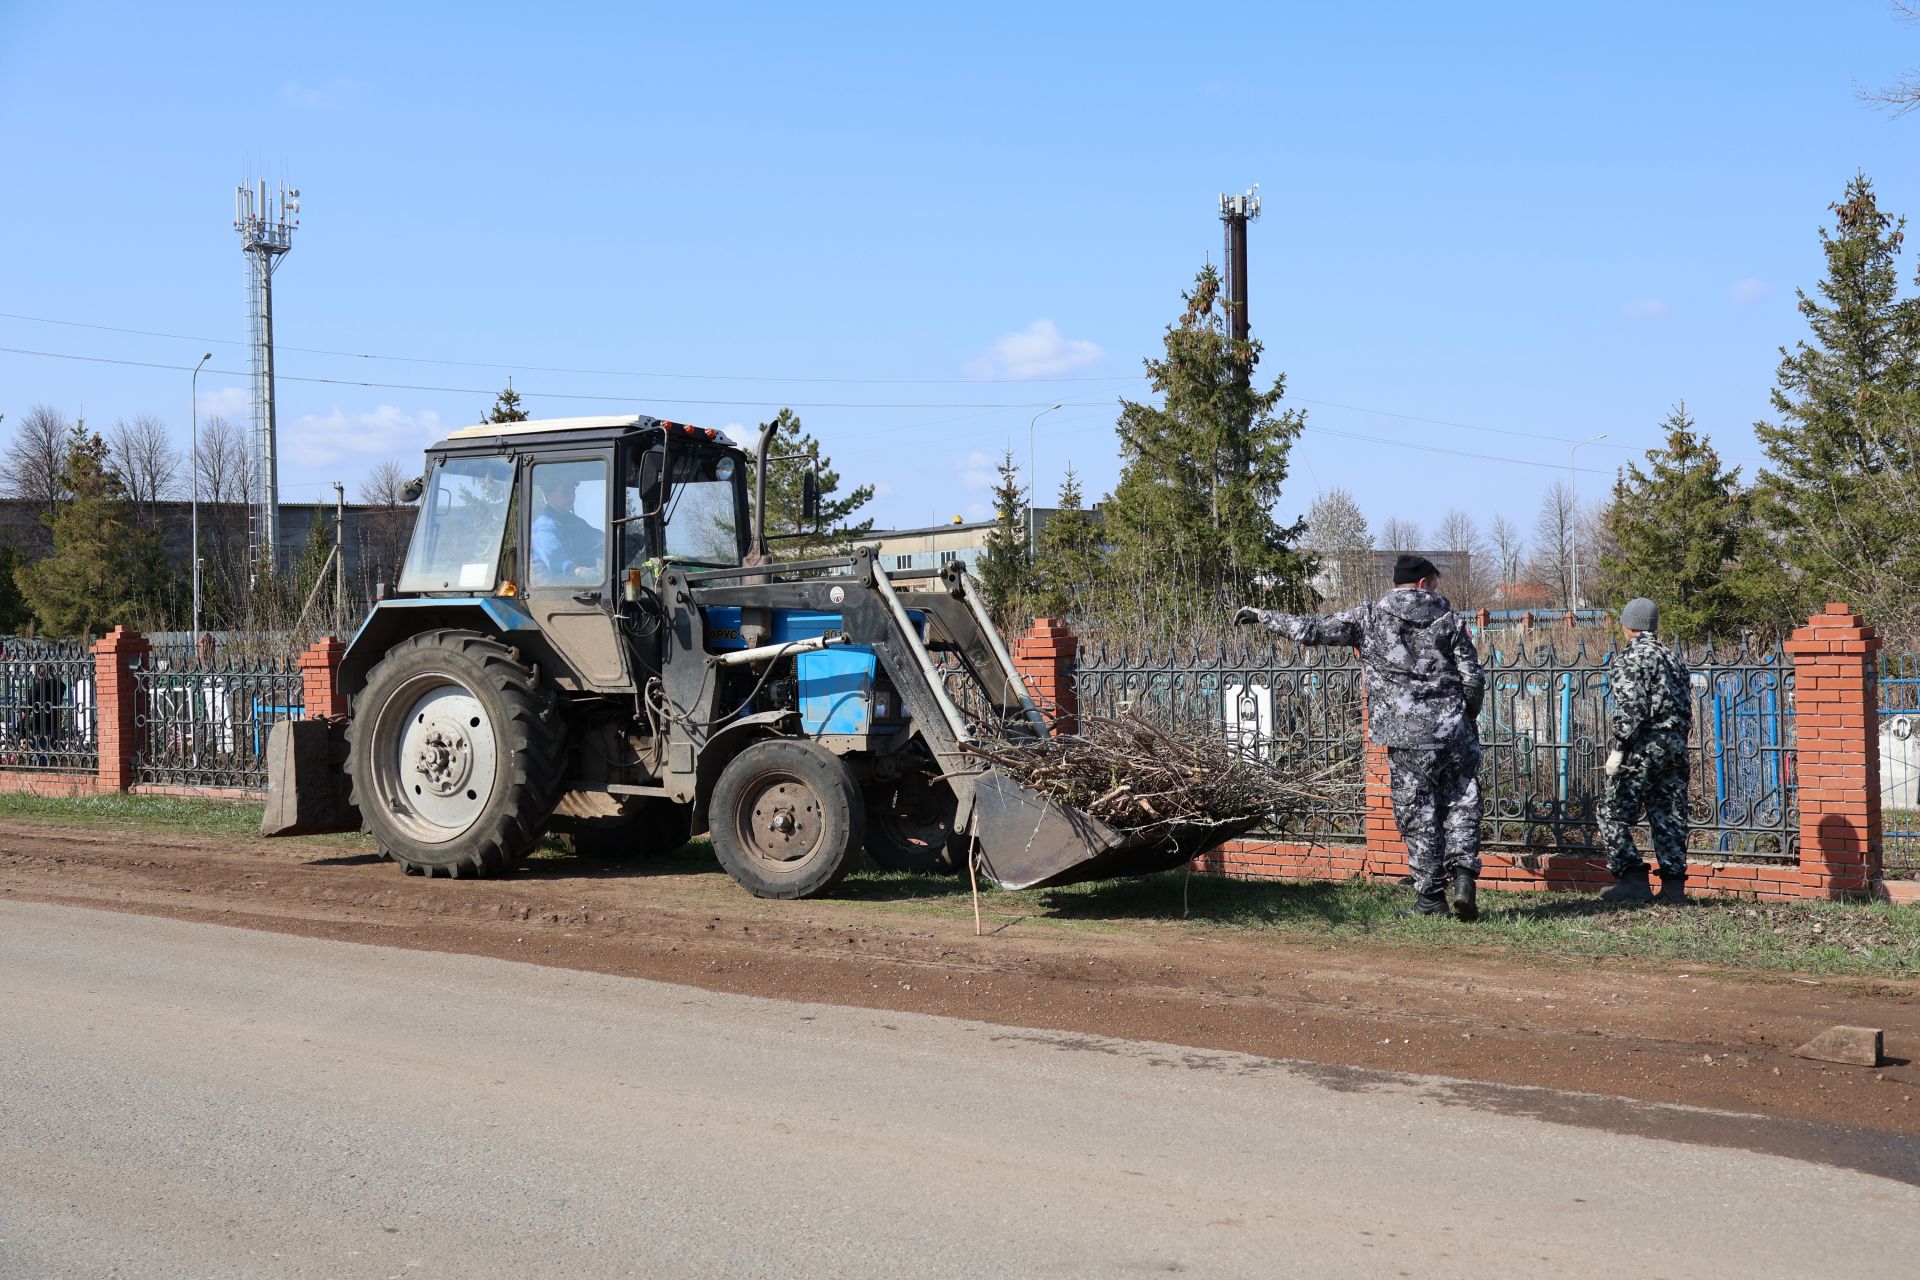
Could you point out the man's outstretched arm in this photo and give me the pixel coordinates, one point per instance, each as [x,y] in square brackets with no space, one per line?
[1344,627]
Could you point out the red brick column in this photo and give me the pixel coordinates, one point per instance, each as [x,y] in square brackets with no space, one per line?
[1837,753]
[1386,851]
[320,676]
[1044,657]
[117,704]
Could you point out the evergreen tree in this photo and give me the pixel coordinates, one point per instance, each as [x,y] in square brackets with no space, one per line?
[1191,519]
[1068,559]
[14,613]
[1838,495]
[835,528]
[507,407]
[1006,568]
[1679,529]
[91,581]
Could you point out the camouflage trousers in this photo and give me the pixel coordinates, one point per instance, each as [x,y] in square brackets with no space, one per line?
[1652,779]
[1436,802]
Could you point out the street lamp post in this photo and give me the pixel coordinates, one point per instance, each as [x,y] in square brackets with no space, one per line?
[1573,479]
[1032,480]
[193,385]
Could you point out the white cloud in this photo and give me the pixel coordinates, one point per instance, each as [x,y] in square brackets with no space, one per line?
[979,511]
[1037,351]
[1643,309]
[316,439]
[225,402]
[881,489]
[331,96]
[1748,291]
[979,471]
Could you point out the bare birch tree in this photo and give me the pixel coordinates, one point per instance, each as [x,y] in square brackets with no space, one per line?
[1556,541]
[36,459]
[149,467]
[1465,583]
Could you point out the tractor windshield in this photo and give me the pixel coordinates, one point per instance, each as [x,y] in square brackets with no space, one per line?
[701,521]
[456,540]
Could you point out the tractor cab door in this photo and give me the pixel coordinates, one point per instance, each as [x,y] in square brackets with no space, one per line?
[569,579]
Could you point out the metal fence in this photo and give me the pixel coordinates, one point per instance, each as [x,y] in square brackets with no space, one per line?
[48,712]
[1900,762]
[1277,700]
[206,725]
[1543,727]
[1545,732]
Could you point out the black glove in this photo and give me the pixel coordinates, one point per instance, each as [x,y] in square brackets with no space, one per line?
[1248,616]
[1473,708]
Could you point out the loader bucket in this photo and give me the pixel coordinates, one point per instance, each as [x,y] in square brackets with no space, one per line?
[1027,841]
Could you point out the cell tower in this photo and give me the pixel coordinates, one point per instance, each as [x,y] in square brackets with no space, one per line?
[265,221]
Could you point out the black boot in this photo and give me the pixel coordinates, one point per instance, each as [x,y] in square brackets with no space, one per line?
[1673,889]
[1427,904]
[1633,887]
[1460,896]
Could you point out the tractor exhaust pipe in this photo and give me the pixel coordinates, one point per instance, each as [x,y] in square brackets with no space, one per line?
[757,544]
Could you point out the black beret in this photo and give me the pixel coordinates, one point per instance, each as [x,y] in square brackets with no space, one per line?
[1411,569]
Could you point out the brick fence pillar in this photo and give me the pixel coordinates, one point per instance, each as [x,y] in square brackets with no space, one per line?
[1837,753]
[118,705]
[320,678]
[1386,851]
[1045,657]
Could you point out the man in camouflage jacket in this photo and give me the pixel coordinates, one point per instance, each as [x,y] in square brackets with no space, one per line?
[1424,687]
[1647,766]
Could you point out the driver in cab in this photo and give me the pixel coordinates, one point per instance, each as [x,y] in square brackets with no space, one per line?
[565,547]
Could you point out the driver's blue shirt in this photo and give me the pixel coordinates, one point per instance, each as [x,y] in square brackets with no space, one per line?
[563,542]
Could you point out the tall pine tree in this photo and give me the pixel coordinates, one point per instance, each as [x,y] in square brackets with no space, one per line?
[1191,519]
[1068,560]
[1006,568]
[795,453]
[1838,495]
[1679,530]
[91,580]
[507,407]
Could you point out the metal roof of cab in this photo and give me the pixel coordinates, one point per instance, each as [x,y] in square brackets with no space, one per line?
[548,426]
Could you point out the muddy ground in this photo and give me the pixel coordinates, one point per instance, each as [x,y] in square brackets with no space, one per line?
[1639,1029]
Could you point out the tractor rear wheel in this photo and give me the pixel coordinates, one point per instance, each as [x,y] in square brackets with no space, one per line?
[455,755]
[785,819]
[910,826]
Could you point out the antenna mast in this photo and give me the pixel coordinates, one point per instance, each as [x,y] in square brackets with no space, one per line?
[266,221]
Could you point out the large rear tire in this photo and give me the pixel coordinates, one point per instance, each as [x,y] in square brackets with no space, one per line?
[455,755]
[786,820]
[910,826]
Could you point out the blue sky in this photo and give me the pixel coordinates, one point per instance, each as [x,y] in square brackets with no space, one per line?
[1540,221]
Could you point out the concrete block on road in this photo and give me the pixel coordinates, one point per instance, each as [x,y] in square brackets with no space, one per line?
[1856,1046]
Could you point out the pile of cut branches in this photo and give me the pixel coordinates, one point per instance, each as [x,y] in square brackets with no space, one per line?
[1141,776]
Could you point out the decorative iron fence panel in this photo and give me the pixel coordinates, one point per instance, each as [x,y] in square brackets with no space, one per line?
[207,725]
[1543,726]
[1545,732]
[1275,701]
[48,711]
[1900,763]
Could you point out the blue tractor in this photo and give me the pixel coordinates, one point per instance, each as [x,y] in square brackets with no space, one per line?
[590,637]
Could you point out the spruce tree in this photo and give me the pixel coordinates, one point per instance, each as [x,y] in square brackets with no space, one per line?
[507,407]
[835,527]
[90,581]
[1068,561]
[1191,519]
[1679,530]
[1838,496]
[14,613]
[1006,568]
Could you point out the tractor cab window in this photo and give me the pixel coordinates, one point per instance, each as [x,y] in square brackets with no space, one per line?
[456,539]
[567,545]
[700,519]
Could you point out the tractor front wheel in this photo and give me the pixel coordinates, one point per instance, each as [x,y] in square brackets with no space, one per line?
[786,820]
[454,752]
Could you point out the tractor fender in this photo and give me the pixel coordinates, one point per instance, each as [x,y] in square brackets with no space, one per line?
[723,746]
[502,617]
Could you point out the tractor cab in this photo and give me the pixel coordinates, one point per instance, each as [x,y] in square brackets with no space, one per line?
[559,526]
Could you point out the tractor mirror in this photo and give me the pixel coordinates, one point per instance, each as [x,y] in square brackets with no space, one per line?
[653,480]
[410,491]
[810,497]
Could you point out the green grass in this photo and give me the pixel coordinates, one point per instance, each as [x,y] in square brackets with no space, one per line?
[1839,938]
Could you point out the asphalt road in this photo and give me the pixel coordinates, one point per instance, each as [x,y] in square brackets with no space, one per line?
[185,1100]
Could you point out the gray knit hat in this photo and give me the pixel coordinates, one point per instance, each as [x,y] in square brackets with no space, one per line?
[1641,614]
